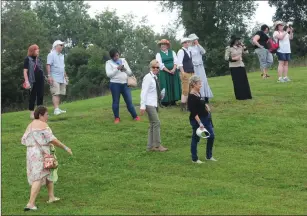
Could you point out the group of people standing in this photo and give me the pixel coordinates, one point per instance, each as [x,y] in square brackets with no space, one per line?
[181,75]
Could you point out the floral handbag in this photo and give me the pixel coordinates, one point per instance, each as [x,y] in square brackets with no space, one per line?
[50,161]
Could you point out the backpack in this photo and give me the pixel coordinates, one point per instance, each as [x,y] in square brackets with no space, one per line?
[273,45]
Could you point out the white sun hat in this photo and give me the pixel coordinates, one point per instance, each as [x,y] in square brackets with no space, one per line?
[57,42]
[203,133]
[278,23]
[193,37]
[185,40]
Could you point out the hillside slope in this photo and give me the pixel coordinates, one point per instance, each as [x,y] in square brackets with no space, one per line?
[260,145]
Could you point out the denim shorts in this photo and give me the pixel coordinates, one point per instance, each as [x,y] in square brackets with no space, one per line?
[283,56]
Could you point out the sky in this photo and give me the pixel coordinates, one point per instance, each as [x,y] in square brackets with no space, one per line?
[158,19]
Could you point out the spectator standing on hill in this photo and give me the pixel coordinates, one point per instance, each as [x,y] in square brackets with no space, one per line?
[200,117]
[284,50]
[57,76]
[150,101]
[34,78]
[118,70]
[261,48]
[233,55]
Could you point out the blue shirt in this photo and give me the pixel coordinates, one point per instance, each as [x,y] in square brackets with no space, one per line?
[57,66]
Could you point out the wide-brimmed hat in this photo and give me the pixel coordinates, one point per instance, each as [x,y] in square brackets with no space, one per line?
[193,37]
[164,41]
[278,23]
[184,40]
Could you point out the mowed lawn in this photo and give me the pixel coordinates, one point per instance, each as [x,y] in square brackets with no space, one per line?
[260,145]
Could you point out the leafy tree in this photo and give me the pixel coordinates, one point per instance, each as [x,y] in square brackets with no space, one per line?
[213,22]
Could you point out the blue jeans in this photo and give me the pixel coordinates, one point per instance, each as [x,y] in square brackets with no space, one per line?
[195,139]
[118,89]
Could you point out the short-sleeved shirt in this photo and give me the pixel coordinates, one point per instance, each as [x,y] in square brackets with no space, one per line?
[284,44]
[263,39]
[39,73]
[57,66]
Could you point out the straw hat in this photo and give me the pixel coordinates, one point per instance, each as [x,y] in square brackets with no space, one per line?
[193,37]
[164,41]
[278,23]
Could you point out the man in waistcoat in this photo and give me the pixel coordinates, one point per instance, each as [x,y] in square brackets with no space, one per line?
[186,70]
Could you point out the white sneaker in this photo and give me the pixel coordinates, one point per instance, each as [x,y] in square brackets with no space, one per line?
[57,111]
[281,80]
[62,111]
[286,79]
[211,159]
[198,162]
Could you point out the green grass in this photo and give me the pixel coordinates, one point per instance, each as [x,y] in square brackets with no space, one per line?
[260,144]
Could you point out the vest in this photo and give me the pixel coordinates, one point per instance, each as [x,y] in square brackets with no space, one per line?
[188,66]
[31,71]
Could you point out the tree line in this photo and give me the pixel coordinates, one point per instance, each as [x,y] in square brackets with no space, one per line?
[89,39]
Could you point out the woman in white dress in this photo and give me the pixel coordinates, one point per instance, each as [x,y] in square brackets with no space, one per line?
[197,52]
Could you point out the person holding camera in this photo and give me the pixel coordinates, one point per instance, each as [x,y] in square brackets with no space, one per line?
[261,49]
[283,34]
[233,55]
[117,70]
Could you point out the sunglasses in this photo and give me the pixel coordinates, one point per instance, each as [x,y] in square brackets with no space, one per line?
[61,45]
[155,67]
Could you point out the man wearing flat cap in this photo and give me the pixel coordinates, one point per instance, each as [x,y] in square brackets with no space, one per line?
[186,67]
[57,77]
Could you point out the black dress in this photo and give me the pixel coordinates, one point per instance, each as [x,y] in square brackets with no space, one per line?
[240,83]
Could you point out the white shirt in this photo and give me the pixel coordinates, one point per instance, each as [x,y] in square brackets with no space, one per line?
[115,75]
[149,95]
[159,59]
[180,56]
[197,54]
[284,44]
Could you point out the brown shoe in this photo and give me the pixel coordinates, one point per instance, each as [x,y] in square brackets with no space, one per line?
[161,149]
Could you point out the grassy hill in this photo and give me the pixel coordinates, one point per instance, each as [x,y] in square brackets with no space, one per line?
[260,145]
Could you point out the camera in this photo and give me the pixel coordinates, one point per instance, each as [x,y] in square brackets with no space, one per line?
[289,25]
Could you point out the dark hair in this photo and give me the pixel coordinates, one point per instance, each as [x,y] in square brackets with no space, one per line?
[233,40]
[40,110]
[264,27]
[113,52]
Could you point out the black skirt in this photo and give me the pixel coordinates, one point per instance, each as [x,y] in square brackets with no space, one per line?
[240,83]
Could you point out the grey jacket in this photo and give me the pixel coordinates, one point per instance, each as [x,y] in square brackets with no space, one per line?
[32,63]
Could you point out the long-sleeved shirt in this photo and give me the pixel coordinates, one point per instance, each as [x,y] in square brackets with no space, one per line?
[234,51]
[159,59]
[115,75]
[149,95]
[180,56]
[197,52]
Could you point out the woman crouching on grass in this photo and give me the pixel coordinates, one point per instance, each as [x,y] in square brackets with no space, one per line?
[200,116]
[39,141]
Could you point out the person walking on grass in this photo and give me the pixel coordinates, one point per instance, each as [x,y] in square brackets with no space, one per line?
[34,78]
[118,70]
[150,100]
[261,48]
[284,50]
[200,116]
[57,76]
[39,140]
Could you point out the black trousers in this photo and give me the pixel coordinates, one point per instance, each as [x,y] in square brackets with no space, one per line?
[240,83]
[36,94]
